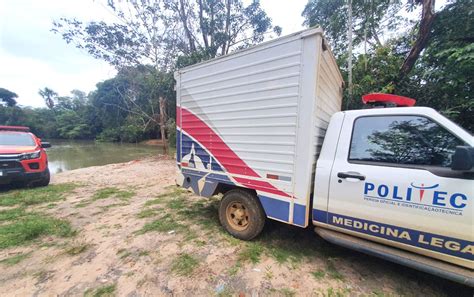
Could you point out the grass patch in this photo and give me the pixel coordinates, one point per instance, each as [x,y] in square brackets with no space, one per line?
[332,270]
[233,270]
[105,193]
[184,265]
[143,253]
[27,197]
[176,193]
[112,192]
[146,213]
[287,292]
[15,259]
[107,207]
[105,291]
[30,226]
[12,214]
[77,249]
[176,203]
[123,253]
[318,274]
[205,215]
[282,292]
[154,202]
[163,224]
[51,205]
[251,252]
[331,292]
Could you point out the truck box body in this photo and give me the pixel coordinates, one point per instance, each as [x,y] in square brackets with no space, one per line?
[257,119]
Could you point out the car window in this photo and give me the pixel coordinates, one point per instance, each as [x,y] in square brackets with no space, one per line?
[20,139]
[409,140]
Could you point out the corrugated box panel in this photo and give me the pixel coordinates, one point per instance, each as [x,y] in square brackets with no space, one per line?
[251,102]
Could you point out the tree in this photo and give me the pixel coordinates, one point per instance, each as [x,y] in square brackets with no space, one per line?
[423,35]
[443,76]
[155,32]
[152,34]
[370,19]
[8,97]
[49,97]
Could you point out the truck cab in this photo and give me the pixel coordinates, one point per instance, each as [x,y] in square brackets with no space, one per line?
[392,177]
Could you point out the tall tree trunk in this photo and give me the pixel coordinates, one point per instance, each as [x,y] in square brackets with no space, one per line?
[163,120]
[201,23]
[184,20]
[349,37]
[426,23]
[227,26]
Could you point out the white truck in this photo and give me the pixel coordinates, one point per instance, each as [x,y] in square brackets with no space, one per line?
[264,127]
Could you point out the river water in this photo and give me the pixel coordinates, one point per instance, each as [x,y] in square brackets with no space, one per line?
[73,154]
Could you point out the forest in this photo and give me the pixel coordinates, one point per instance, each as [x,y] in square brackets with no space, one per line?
[430,59]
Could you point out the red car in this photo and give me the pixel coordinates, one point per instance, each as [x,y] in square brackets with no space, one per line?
[22,157]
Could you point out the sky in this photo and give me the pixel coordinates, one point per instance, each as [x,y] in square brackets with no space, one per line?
[32,57]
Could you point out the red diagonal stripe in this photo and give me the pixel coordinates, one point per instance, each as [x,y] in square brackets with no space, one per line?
[232,163]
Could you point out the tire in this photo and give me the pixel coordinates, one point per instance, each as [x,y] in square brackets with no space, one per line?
[241,214]
[44,181]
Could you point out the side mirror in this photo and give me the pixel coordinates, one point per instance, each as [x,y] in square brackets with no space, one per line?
[45,144]
[463,159]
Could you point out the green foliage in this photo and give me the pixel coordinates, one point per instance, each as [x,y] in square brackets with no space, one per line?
[194,30]
[370,20]
[124,108]
[49,97]
[8,97]
[109,135]
[72,126]
[443,74]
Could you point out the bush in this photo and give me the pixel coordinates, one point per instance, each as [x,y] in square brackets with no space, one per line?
[109,135]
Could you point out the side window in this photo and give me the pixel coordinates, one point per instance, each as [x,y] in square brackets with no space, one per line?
[412,140]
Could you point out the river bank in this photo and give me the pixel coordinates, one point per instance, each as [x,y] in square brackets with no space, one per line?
[126,230]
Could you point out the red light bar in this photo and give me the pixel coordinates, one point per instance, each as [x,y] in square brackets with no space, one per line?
[387,100]
[15,128]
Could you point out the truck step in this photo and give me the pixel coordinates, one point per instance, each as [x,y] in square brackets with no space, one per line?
[454,273]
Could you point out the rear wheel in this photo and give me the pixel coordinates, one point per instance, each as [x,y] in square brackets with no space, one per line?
[241,214]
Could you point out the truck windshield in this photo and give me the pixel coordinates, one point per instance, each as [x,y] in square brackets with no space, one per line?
[16,139]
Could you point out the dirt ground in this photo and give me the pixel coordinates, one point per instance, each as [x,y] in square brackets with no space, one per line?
[137,235]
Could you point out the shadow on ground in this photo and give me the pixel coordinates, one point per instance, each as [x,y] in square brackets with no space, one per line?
[289,244]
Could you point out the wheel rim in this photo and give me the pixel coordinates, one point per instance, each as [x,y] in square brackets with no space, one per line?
[238,216]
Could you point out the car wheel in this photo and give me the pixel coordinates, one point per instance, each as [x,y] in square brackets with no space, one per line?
[241,214]
[44,181]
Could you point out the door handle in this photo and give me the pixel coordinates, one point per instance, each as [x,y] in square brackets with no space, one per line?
[349,174]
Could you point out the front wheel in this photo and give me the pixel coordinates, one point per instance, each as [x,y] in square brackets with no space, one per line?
[241,214]
[44,181]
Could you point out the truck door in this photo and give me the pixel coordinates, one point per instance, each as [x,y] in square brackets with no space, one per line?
[391,182]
